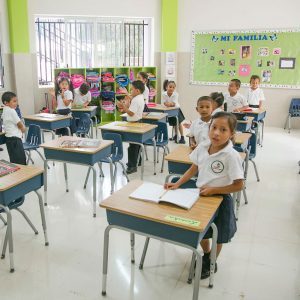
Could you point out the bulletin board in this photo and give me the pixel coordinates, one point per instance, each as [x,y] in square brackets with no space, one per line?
[274,55]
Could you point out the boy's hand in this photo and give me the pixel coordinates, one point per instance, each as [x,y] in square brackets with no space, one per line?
[206,190]
[171,186]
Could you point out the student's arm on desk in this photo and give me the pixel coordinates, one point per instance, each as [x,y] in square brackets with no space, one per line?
[192,171]
[236,186]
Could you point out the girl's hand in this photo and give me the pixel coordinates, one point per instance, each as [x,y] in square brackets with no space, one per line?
[187,125]
[206,191]
[120,105]
[52,92]
[236,110]
[193,146]
[171,186]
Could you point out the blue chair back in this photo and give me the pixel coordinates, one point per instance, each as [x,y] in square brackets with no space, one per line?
[84,124]
[294,109]
[34,136]
[252,145]
[117,146]
[161,133]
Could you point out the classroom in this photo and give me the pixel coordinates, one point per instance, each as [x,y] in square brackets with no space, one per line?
[138,137]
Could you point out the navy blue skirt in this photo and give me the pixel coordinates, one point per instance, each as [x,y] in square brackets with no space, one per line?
[225,221]
[181,118]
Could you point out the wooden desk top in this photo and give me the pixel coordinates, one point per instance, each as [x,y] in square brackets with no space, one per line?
[88,108]
[146,116]
[21,175]
[163,108]
[55,145]
[130,127]
[202,211]
[182,155]
[248,121]
[255,111]
[241,138]
[43,117]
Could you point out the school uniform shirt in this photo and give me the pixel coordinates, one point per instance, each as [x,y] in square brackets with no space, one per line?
[68,96]
[173,98]
[218,169]
[199,130]
[218,109]
[146,94]
[81,99]
[234,102]
[254,96]
[137,107]
[10,120]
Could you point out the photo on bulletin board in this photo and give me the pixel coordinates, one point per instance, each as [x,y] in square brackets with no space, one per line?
[274,55]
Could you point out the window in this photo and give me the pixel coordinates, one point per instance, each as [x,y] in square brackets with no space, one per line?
[1,71]
[87,42]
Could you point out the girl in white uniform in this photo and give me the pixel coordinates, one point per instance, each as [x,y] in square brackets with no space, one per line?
[217,101]
[255,95]
[220,171]
[143,77]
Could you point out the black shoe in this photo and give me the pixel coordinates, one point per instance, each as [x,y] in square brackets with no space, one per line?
[131,170]
[174,138]
[182,140]
[1,149]
[205,272]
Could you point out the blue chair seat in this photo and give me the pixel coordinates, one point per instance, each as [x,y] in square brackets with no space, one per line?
[158,143]
[28,146]
[114,158]
[18,202]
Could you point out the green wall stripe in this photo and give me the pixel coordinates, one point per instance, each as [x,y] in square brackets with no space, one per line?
[169,17]
[18,26]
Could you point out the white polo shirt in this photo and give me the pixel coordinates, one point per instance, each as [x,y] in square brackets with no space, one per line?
[146,94]
[199,130]
[234,102]
[218,169]
[137,107]
[218,109]
[254,96]
[68,96]
[81,99]
[173,98]
[10,120]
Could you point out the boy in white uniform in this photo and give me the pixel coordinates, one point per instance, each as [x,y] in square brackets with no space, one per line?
[82,96]
[199,128]
[235,101]
[255,96]
[13,129]
[135,113]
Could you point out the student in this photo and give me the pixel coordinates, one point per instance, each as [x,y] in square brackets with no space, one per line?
[170,99]
[217,102]
[199,127]
[220,172]
[255,96]
[13,129]
[235,101]
[143,77]
[134,110]
[82,95]
[63,94]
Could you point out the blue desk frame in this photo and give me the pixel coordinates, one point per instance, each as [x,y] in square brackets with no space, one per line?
[79,158]
[7,196]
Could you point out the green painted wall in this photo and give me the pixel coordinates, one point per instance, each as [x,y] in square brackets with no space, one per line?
[169,26]
[18,26]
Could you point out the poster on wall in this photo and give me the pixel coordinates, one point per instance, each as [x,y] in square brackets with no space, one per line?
[274,55]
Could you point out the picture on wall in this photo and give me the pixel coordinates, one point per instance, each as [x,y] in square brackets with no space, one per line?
[218,56]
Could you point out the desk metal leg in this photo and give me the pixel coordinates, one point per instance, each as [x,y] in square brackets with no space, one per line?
[9,238]
[94,190]
[213,254]
[87,178]
[154,158]
[112,178]
[66,177]
[92,129]
[43,217]
[105,259]
[144,253]
[177,130]
[132,241]
[69,131]
[192,269]
[143,161]
[45,181]
[3,220]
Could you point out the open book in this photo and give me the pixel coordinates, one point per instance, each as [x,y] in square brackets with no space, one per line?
[7,167]
[80,143]
[153,192]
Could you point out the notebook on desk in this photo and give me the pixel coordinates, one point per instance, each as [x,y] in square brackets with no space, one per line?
[80,144]
[156,193]
[7,167]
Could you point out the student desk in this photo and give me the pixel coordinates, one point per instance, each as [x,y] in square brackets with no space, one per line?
[91,111]
[171,111]
[15,185]
[244,125]
[82,156]
[164,222]
[135,133]
[151,118]
[49,122]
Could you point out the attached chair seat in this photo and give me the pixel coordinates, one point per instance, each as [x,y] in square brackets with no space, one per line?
[15,204]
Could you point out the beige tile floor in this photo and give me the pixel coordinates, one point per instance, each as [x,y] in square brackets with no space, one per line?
[261,262]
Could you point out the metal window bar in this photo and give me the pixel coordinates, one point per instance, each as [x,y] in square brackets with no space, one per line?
[1,70]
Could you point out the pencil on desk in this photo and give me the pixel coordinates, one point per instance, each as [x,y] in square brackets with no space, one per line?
[163,194]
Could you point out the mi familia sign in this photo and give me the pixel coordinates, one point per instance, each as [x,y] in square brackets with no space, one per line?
[244,37]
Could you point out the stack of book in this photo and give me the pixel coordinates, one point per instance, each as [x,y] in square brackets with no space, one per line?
[7,167]
[86,143]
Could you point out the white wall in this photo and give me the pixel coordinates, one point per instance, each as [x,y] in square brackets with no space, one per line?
[233,15]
